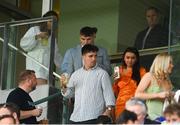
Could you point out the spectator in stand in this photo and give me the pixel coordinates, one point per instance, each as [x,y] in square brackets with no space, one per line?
[36,42]
[7,119]
[91,87]
[10,109]
[20,97]
[130,74]
[127,117]
[73,57]
[139,107]
[156,86]
[172,114]
[153,36]
[104,119]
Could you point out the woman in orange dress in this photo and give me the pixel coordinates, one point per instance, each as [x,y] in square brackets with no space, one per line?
[130,74]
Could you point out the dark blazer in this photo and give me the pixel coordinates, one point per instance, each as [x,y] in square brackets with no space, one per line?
[157,37]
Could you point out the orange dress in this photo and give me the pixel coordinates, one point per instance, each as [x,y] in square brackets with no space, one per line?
[124,89]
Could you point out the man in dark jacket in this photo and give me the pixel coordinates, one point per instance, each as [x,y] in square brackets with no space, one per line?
[151,37]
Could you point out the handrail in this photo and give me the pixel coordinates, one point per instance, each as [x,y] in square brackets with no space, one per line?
[26,55]
[44,99]
[115,57]
[25,22]
[29,21]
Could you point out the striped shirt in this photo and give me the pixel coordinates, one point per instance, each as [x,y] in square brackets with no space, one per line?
[93,93]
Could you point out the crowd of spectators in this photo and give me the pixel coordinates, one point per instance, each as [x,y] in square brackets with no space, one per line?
[136,97]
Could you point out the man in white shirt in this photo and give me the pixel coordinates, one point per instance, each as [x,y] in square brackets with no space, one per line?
[37,43]
[91,87]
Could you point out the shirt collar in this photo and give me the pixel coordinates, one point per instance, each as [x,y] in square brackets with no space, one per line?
[92,67]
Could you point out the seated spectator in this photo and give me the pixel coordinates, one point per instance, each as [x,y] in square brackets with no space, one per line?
[10,109]
[127,117]
[154,35]
[172,114]
[7,119]
[130,74]
[139,107]
[104,119]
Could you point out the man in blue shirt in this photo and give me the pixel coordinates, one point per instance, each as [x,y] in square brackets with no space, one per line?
[73,58]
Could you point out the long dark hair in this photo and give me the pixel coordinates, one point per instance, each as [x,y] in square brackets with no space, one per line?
[136,67]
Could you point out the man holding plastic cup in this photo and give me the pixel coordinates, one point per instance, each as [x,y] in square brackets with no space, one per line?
[91,87]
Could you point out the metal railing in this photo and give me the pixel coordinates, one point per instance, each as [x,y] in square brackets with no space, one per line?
[5,41]
[115,58]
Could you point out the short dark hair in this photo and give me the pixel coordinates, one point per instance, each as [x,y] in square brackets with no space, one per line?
[43,26]
[126,116]
[153,8]
[88,31]
[104,119]
[173,108]
[51,13]
[89,48]
[26,74]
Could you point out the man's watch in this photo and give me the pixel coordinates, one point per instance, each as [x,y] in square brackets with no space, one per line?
[109,108]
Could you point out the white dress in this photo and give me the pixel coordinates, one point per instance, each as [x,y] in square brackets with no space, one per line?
[40,51]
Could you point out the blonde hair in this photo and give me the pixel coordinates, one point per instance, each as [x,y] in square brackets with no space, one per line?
[160,66]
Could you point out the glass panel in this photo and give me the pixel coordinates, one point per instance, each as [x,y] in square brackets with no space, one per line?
[1,48]
[175,51]
[17,63]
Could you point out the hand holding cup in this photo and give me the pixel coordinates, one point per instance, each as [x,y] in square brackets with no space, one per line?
[116,74]
[64,80]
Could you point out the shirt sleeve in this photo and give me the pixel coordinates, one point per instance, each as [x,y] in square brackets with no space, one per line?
[57,56]
[70,90]
[107,90]
[67,65]
[28,41]
[106,62]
